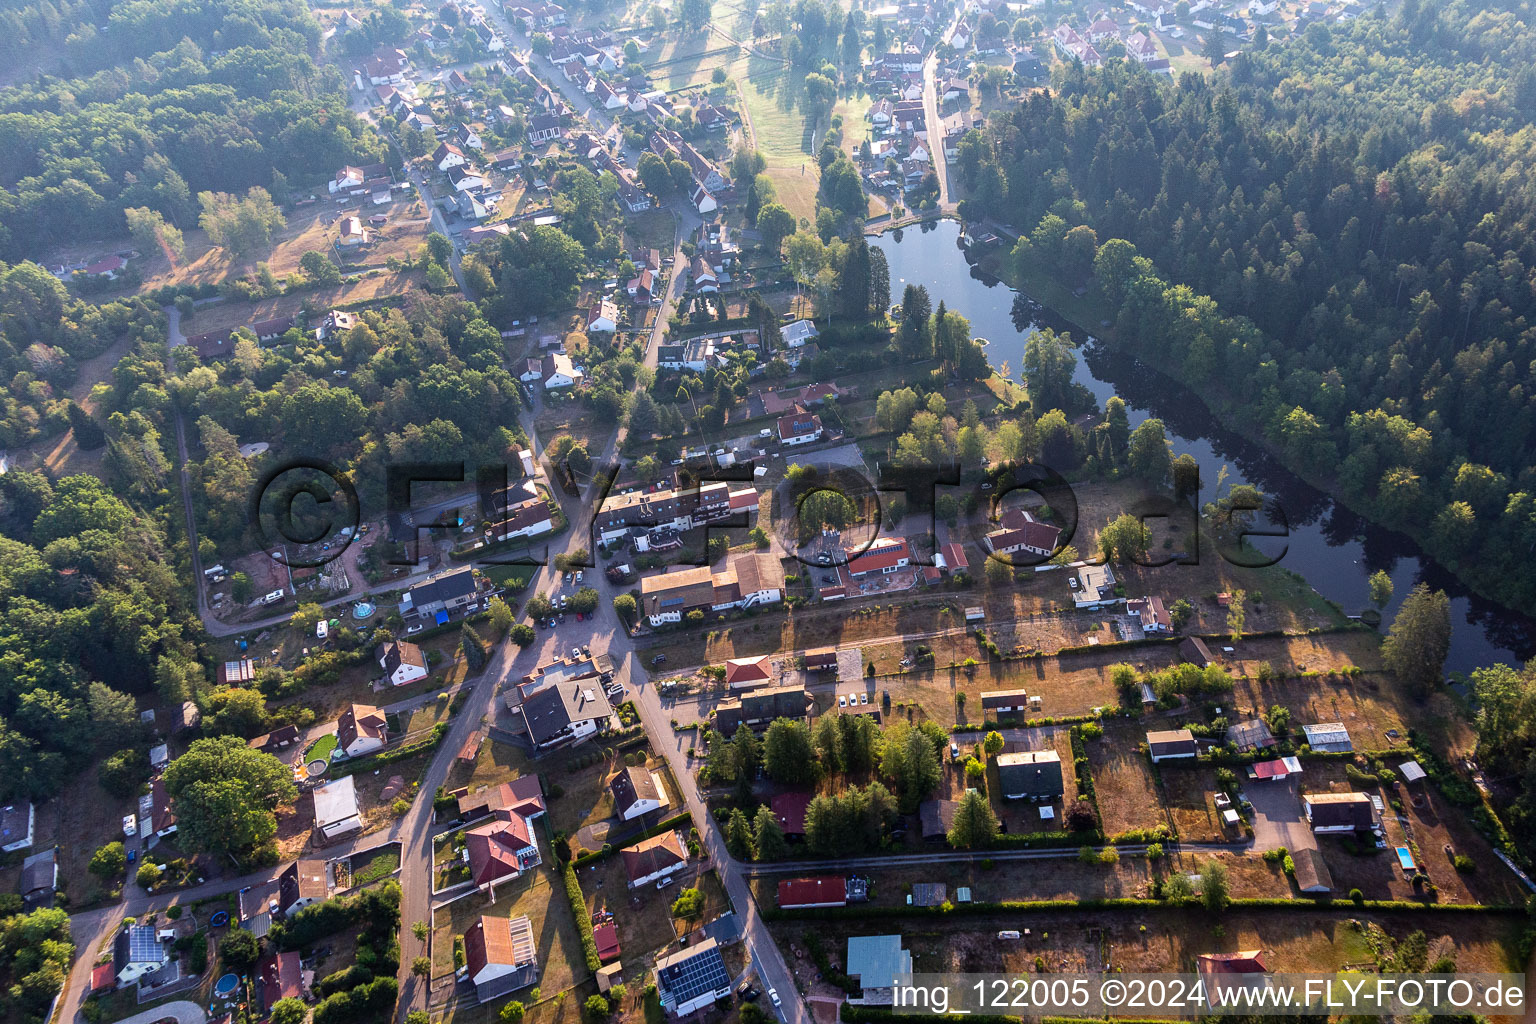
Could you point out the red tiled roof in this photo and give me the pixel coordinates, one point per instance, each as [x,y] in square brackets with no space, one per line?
[790,808]
[883,554]
[822,891]
[607,938]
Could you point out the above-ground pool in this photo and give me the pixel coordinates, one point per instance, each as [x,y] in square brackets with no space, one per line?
[225,985]
[362,610]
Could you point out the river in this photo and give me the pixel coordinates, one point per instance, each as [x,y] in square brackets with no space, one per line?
[1334,549]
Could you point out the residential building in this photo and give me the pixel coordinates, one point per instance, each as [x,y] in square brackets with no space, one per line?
[1030,774]
[435,598]
[820,891]
[336,811]
[637,791]
[1171,744]
[757,709]
[1019,531]
[336,321]
[557,370]
[1339,812]
[1141,47]
[603,317]
[16,824]
[936,816]
[351,232]
[566,712]
[523,795]
[821,659]
[749,579]
[500,849]
[544,127]
[40,877]
[1151,613]
[466,178]
[800,427]
[1328,737]
[302,883]
[448,155]
[1193,650]
[1249,735]
[875,962]
[138,952]
[1278,768]
[797,333]
[277,740]
[361,730]
[528,518]
[1004,702]
[748,673]
[1095,587]
[651,860]
[162,818]
[886,555]
[402,661]
[954,559]
[639,288]
[692,978]
[676,510]
[279,976]
[500,956]
[790,808]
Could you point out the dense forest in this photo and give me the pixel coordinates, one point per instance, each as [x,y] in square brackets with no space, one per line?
[91,606]
[219,97]
[1332,240]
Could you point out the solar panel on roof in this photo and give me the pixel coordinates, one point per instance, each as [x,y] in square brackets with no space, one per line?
[695,976]
[144,946]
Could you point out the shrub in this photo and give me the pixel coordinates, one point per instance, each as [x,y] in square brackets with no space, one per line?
[1155,851]
[1357,896]
[596,1007]
[583,919]
[1466,865]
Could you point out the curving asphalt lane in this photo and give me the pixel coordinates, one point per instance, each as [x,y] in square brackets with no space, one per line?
[182,1012]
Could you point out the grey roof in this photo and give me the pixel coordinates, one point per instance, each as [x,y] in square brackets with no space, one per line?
[15,822]
[138,944]
[1312,873]
[633,785]
[1328,736]
[457,583]
[40,872]
[877,960]
[690,973]
[554,707]
[336,801]
[1250,735]
[1030,772]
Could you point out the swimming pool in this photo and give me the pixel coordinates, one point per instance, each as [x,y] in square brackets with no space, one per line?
[1405,858]
[225,985]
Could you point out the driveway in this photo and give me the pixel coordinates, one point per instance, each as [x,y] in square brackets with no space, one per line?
[1278,818]
[182,1012]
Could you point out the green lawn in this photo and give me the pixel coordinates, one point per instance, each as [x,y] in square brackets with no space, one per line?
[321,749]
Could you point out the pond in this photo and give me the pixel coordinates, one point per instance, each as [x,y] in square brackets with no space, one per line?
[1333,548]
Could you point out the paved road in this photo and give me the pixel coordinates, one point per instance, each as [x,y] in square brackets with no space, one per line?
[183,1011]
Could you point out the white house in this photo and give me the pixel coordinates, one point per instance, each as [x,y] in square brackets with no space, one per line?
[651,860]
[1171,744]
[360,730]
[799,427]
[557,371]
[336,810]
[692,979]
[137,951]
[500,956]
[403,662]
[603,317]
[448,155]
[465,178]
[637,791]
[796,334]
[703,200]
[528,518]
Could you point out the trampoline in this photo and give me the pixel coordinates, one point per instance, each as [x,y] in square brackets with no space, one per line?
[219,919]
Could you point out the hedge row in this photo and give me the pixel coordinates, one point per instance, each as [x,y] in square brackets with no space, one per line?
[1119,903]
[354,765]
[988,725]
[583,919]
[671,824]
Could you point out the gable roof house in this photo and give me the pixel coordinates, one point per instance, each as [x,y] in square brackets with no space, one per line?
[758,709]
[1151,613]
[637,791]
[40,877]
[651,860]
[1329,737]
[603,317]
[137,952]
[820,891]
[16,824]
[543,127]
[1019,531]
[1170,744]
[443,593]
[799,427]
[448,155]
[303,882]
[523,795]
[1339,812]
[692,978]
[1031,774]
[500,956]
[280,976]
[557,370]
[875,962]
[360,730]
[351,232]
[1221,973]
[1252,734]
[402,661]
[1004,702]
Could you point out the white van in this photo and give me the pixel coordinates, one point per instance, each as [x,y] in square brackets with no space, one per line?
[214,570]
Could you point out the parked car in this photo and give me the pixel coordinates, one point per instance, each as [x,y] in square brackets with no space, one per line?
[658,659]
[842,700]
[578,575]
[413,630]
[575,653]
